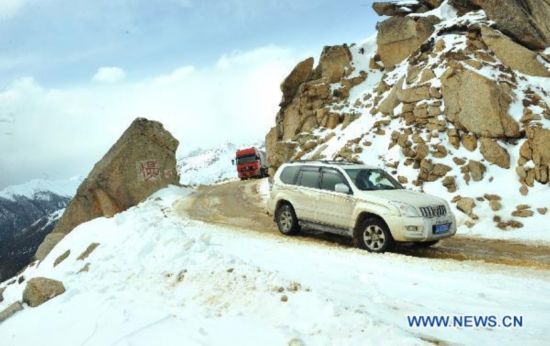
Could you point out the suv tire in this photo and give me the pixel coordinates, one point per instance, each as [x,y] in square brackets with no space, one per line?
[286,219]
[374,236]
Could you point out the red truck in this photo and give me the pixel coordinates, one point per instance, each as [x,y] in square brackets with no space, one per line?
[251,163]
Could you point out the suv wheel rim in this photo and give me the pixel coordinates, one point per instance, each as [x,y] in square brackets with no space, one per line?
[285,220]
[374,237]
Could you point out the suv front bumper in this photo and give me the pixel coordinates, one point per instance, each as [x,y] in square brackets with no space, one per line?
[418,229]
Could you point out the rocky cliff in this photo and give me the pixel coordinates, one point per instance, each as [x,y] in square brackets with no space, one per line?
[450,96]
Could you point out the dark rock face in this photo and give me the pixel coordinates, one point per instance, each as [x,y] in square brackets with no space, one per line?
[24,223]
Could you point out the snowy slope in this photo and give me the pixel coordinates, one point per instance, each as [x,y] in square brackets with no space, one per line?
[209,166]
[159,278]
[39,189]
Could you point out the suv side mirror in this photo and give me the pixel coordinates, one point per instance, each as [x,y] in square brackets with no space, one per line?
[233,162]
[342,188]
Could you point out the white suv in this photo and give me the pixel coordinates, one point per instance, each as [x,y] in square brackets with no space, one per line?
[359,201]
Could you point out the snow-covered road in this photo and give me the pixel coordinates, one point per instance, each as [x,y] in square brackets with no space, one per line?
[158,278]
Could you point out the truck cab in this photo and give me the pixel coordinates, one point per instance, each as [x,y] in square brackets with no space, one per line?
[251,163]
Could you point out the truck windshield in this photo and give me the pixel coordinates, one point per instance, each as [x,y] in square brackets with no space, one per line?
[372,179]
[246,159]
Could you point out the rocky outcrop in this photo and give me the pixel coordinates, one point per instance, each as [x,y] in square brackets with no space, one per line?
[526,21]
[448,101]
[468,94]
[39,290]
[141,162]
[334,63]
[299,74]
[514,55]
[398,37]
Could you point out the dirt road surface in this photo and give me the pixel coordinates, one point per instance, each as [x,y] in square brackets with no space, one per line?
[239,205]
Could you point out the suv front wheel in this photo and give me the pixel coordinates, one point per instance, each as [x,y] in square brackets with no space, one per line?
[374,236]
[287,222]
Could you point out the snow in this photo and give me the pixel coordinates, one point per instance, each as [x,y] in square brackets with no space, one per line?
[39,188]
[160,278]
[209,166]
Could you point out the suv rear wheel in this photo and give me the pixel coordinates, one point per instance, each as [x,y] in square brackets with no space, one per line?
[287,222]
[374,236]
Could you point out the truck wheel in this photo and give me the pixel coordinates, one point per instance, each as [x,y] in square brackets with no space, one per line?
[287,222]
[374,236]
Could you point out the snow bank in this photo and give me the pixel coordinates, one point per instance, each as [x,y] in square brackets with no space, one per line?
[159,278]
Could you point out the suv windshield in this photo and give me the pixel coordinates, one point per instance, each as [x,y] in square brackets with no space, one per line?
[372,179]
[246,159]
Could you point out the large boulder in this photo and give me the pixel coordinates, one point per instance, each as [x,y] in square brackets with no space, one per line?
[39,290]
[334,63]
[398,37]
[514,55]
[141,162]
[478,104]
[526,21]
[301,73]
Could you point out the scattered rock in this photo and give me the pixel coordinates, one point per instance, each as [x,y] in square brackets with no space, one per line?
[2,289]
[39,290]
[20,279]
[469,142]
[450,183]
[466,205]
[402,179]
[10,311]
[494,153]
[523,213]
[141,162]
[84,269]
[284,298]
[495,205]
[476,169]
[61,258]
[542,211]
[88,251]
[524,190]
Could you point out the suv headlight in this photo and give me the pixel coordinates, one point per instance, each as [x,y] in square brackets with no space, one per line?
[405,209]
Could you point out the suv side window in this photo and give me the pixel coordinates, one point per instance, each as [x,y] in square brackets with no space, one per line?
[309,178]
[288,175]
[330,179]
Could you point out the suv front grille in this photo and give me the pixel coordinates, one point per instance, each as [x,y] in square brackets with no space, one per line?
[433,211]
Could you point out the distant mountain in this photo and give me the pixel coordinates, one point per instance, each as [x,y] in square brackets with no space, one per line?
[28,212]
[211,165]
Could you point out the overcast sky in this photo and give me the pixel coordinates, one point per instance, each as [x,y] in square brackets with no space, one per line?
[75,73]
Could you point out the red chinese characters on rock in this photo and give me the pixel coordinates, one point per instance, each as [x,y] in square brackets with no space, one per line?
[149,170]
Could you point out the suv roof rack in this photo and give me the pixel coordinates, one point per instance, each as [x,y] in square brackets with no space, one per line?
[330,162]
